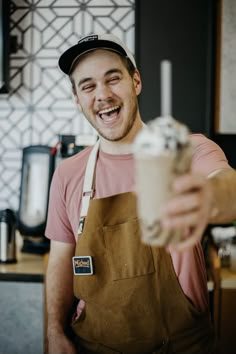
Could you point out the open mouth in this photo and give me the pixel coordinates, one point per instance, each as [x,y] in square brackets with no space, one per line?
[109,114]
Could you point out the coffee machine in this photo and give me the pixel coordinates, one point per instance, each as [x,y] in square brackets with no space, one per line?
[38,165]
[36,174]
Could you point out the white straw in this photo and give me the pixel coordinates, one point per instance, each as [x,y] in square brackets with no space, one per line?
[166,90]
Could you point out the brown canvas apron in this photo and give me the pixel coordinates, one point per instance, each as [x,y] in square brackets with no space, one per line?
[134,302]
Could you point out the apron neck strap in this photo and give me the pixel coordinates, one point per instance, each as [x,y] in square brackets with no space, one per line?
[88,186]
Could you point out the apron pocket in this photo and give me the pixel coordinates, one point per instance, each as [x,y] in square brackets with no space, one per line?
[127,256]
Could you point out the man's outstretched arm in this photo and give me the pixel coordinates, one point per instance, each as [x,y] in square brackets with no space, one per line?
[200,201]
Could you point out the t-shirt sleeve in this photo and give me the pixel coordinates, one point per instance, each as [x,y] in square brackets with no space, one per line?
[208,156]
[58,226]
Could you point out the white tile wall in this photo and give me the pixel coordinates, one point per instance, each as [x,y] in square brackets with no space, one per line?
[40,105]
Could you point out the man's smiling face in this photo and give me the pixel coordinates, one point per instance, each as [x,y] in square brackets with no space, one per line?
[107,94]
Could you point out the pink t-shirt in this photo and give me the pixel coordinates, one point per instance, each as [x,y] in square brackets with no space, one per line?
[114,175]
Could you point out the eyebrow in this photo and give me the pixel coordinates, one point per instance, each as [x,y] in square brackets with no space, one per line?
[109,72]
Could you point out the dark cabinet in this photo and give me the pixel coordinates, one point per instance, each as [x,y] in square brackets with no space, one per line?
[184,33]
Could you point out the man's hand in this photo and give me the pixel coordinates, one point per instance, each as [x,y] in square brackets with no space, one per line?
[60,344]
[189,210]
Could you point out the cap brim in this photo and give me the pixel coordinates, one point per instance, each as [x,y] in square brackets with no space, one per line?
[68,58]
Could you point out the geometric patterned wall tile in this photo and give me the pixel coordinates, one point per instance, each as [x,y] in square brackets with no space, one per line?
[47,125]
[10,168]
[16,129]
[40,105]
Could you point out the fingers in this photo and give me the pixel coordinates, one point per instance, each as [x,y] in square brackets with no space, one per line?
[193,238]
[188,209]
[188,182]
[180,206]
[182,221]
[185,211]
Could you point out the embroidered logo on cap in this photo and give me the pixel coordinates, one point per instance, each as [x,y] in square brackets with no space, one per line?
[82,265]
[92,37]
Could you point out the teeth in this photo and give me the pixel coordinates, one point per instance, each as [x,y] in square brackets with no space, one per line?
[107,110]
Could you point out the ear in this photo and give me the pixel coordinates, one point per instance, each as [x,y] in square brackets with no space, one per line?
[137,82]
[76,99]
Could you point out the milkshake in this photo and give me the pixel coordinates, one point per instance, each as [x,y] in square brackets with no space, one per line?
[162,151]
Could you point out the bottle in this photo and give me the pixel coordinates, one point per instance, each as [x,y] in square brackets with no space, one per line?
[7,236]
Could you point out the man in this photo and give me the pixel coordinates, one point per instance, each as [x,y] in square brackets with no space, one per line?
[133,298]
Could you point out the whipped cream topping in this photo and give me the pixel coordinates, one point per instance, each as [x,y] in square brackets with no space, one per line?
[161,135]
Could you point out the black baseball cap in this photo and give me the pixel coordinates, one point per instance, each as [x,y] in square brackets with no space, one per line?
[92,42]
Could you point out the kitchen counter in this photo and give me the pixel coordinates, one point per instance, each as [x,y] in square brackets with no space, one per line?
[28,268]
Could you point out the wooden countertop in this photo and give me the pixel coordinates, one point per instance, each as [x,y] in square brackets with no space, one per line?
[228,278]
[29,267]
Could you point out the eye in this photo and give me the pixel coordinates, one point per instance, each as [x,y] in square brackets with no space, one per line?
[88,88]
[114,79]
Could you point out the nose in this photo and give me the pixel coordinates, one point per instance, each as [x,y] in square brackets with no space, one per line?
[103,92]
